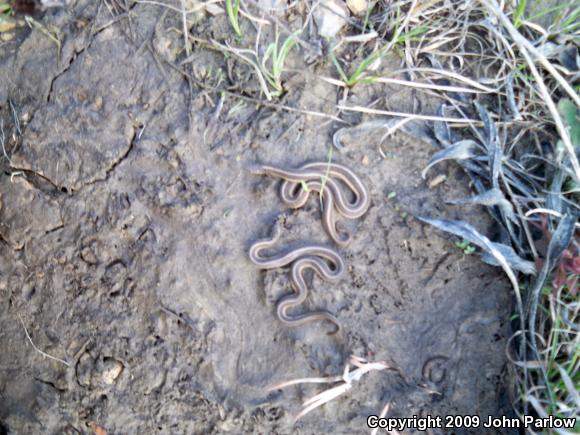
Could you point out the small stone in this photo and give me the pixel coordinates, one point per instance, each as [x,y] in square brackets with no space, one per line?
[112,370]
[214,9]
[88,256]
[357,7]
[330,18]
[98,103]
[6,26]
[441,178]
[7,36]
[365,161]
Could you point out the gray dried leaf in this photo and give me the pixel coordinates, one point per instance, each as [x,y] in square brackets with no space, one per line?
[514,260]
[489,198]
[462,150]
[488,125]
[494,153]
[571,386]
[441,129]
[467,232]
[514,181]
[570,59]
[554,198]
[511,97]
[560,241]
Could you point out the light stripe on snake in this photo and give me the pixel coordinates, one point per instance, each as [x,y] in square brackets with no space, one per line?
[324,261]
[324,178]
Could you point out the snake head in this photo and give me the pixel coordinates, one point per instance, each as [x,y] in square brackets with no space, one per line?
[257,169]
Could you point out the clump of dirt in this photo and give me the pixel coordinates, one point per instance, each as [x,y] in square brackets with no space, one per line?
[127,213]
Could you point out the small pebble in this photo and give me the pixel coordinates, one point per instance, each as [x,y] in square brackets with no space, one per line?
[6,36]
[441,178]
[113,369]
[6,26]
[357,7]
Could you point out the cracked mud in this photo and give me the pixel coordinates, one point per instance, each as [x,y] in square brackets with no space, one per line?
[127,211]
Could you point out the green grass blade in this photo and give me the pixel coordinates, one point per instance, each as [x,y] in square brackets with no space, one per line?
[232,8]
[288,45]
[341,72]
[519,13]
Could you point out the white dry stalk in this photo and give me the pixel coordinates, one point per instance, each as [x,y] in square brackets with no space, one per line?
[196,8]
[365,37]
[431,86]
[251,17]
[458,121]
[547,211]
[37,349]
[453,75]
[412,84]
[348,377]
[530,53]
[185,28]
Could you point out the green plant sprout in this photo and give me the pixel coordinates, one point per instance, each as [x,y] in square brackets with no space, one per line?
[519,13]
[359,74]
[466,247]
[273,62]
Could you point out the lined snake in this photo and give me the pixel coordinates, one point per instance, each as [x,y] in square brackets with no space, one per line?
[326,179]
[323,178]
[322,260]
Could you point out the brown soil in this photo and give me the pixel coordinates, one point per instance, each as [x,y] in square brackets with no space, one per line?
[127,213]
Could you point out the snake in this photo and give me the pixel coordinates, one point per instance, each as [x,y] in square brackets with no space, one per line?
[322,177]
[322,260]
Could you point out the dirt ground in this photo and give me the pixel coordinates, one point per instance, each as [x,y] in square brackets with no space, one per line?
[127,211]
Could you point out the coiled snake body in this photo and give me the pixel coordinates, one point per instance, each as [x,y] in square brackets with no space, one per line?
[324,178]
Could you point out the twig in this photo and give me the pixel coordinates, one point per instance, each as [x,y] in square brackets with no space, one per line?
[36,348]
[185,29]
[196,8]
[348,377]
[547,211]
[462,121]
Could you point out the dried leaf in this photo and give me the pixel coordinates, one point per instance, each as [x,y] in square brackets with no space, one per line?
[514,260]
[441,129]
[470,234]
[572,389]
[462,150]
[554,197]
[494,153]
[560,241]
[569,58]
[511,97]
[489,198]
